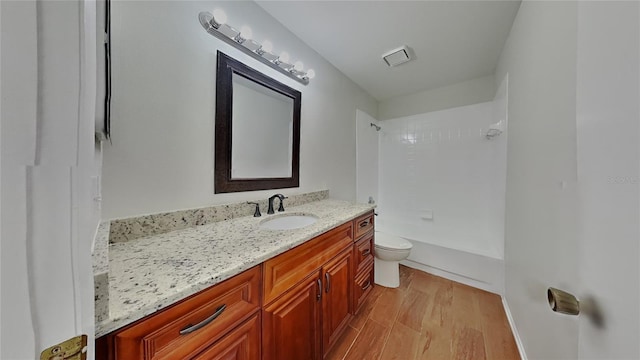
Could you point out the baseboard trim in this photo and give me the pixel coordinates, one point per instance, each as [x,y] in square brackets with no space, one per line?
[452,276]
[512,324]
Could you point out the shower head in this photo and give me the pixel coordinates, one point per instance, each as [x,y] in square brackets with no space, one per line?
[376,126]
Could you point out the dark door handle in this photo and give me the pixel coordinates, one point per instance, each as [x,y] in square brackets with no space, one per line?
[327,277]
[366,252]
[366,285]
[191,328]
[319,294]
[364,223]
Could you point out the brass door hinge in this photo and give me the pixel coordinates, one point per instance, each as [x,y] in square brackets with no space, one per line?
[72,349]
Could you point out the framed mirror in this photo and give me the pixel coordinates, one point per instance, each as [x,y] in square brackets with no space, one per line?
[257,130]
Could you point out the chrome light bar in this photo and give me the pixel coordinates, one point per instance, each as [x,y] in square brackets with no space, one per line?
[215,24]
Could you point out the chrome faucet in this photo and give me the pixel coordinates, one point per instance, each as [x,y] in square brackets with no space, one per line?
[281,208]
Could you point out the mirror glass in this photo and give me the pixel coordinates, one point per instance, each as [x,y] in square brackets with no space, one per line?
[257,131]
[261,131]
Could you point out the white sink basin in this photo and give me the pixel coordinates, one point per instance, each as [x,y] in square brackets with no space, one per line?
[288,222]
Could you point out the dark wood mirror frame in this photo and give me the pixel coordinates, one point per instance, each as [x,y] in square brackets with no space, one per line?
[223,183]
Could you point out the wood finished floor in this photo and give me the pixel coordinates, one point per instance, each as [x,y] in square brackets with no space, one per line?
[427,317]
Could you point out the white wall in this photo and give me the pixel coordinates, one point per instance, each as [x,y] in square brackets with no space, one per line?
[50,168]
[608,81]
[366,158]
[163,109]
[18,66]
[440,177]
[498,166]
[540,237]
[460,94]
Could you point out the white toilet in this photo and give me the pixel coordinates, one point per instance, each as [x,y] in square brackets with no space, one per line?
[389,251]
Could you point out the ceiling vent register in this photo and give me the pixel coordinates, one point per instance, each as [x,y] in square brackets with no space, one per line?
[397,56]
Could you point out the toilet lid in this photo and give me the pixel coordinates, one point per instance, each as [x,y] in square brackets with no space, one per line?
[391,242]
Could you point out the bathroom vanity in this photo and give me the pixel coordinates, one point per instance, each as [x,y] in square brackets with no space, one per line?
[292,302]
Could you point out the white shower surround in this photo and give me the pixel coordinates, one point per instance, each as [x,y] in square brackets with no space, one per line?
[441,185]
[442,182]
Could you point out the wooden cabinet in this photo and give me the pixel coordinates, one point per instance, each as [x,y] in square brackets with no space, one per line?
[326,265]
[307,320]
[287,269]
[187,328]
[294,306]
[364,224]
[363,251]
[337,307]
[362,287]
[242,343]
[291,324]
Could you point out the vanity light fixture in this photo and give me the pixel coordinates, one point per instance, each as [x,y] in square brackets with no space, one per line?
[218,17]
[228,31]
[284,57]
[216,24]
[246,32]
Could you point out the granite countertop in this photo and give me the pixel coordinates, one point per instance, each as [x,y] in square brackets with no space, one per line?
[151,273]
[100,252]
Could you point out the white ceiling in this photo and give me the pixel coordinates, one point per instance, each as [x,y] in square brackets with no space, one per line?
[453,41]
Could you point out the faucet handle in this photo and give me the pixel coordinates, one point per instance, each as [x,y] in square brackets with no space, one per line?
[281,208]
[257,213]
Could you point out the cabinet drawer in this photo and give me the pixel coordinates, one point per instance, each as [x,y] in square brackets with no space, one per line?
[363,253]
[363,224]
[242,343]
[287,269]
[362,287]
[174,333]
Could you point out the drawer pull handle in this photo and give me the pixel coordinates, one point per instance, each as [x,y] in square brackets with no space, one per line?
[327,277]
[366,252]
[364,223]
[319,293]
[366,285]
[191,328]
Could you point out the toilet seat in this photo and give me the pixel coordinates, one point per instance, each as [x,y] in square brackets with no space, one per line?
[391,242]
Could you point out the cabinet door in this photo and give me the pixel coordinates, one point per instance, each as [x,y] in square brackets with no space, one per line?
[337,307]
[243,343]
[291,323]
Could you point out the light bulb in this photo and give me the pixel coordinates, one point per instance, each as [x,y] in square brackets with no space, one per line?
[246,32]
[284,57]
[311,74]
[267,46]
[220,16]
[298,65]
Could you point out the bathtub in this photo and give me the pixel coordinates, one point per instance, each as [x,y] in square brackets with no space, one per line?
[463,261]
